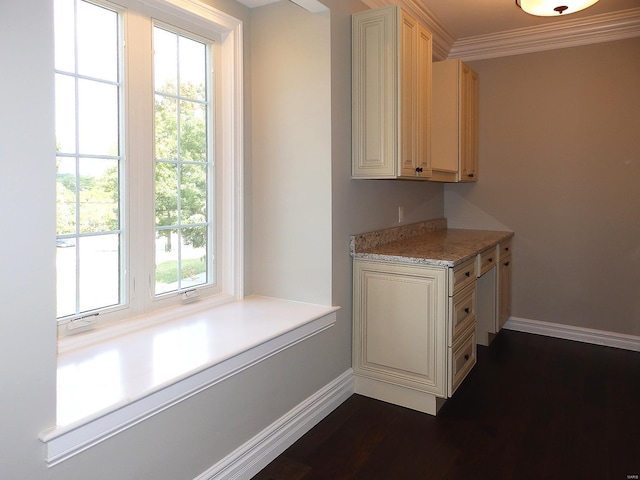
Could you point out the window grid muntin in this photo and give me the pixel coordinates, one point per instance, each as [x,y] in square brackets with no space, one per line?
[77,155]
[208,161]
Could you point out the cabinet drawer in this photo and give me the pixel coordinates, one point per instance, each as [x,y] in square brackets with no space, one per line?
[462,358]
[462,275]
[505,249]
[487,260]
[463,312]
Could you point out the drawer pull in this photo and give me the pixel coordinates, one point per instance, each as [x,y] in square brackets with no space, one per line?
[466,310]
[467,274]
[466,357]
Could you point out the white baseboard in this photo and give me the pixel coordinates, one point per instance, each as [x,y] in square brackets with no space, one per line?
[248,459]
[568,332]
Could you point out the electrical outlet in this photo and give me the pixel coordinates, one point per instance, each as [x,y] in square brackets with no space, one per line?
[400,214]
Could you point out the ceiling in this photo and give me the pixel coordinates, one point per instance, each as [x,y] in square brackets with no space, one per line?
[477,29]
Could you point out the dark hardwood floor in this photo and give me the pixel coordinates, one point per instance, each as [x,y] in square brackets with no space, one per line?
[533,407]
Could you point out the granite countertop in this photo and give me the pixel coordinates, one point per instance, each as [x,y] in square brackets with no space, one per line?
[430,243]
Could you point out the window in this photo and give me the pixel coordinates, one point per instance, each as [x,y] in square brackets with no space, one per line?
[183,163]
[147,216]
[88,136]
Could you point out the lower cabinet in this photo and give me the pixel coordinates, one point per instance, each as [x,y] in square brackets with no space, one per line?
[414,331]
[504,285]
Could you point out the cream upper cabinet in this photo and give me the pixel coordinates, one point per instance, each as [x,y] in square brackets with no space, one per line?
[454,146]
[391,110]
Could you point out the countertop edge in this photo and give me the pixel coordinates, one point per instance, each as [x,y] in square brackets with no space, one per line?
[450,259]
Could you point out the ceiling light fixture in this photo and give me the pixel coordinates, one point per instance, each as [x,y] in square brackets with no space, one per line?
[553,8]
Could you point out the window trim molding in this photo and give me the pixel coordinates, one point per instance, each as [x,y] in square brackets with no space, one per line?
[230,35]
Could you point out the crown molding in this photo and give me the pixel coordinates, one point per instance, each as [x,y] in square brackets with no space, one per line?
[443,40]
[606,27]
[572,33]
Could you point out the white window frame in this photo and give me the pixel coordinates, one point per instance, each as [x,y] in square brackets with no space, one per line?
[226,31]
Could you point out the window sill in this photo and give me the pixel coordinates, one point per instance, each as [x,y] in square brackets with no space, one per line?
[105,388]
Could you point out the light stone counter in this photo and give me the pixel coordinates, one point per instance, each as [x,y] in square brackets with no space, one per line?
[429,242]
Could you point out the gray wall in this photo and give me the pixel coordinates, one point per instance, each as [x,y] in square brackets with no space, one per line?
[559,165]
[186,439]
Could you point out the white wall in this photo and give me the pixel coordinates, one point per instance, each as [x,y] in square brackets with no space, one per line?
[27,243]
[188,438]
[291,167]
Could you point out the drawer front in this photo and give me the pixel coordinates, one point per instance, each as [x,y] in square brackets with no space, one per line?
[505,249]
[487,260]
[462,358]
[462,275]
[463,312]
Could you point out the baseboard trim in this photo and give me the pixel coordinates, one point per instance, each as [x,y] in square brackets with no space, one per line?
[579,334]
[248,459]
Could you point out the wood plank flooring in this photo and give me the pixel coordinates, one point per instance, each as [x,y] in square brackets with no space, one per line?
[534,407]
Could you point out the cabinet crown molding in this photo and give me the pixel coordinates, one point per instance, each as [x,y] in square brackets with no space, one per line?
[572,33]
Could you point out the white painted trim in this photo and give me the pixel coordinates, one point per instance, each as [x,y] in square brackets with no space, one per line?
[66,441]
[248,459]
[571,33]
[579,334]
[312,6]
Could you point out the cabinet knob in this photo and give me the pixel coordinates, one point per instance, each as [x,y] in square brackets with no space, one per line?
[466,310]
[471,175]
[490,260]
[506,264]
[419,169]
[467,274]
[466,357]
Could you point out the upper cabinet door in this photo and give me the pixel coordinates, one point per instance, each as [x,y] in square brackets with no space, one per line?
[423,101]
[391,95]
[408,94]
[454,147]
[469,125]
[374,93]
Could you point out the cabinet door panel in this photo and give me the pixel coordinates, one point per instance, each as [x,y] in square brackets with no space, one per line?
[398,332]
[423,102]
[408,104]
[399,325]
[469,125]
[374,45]
[504,291]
